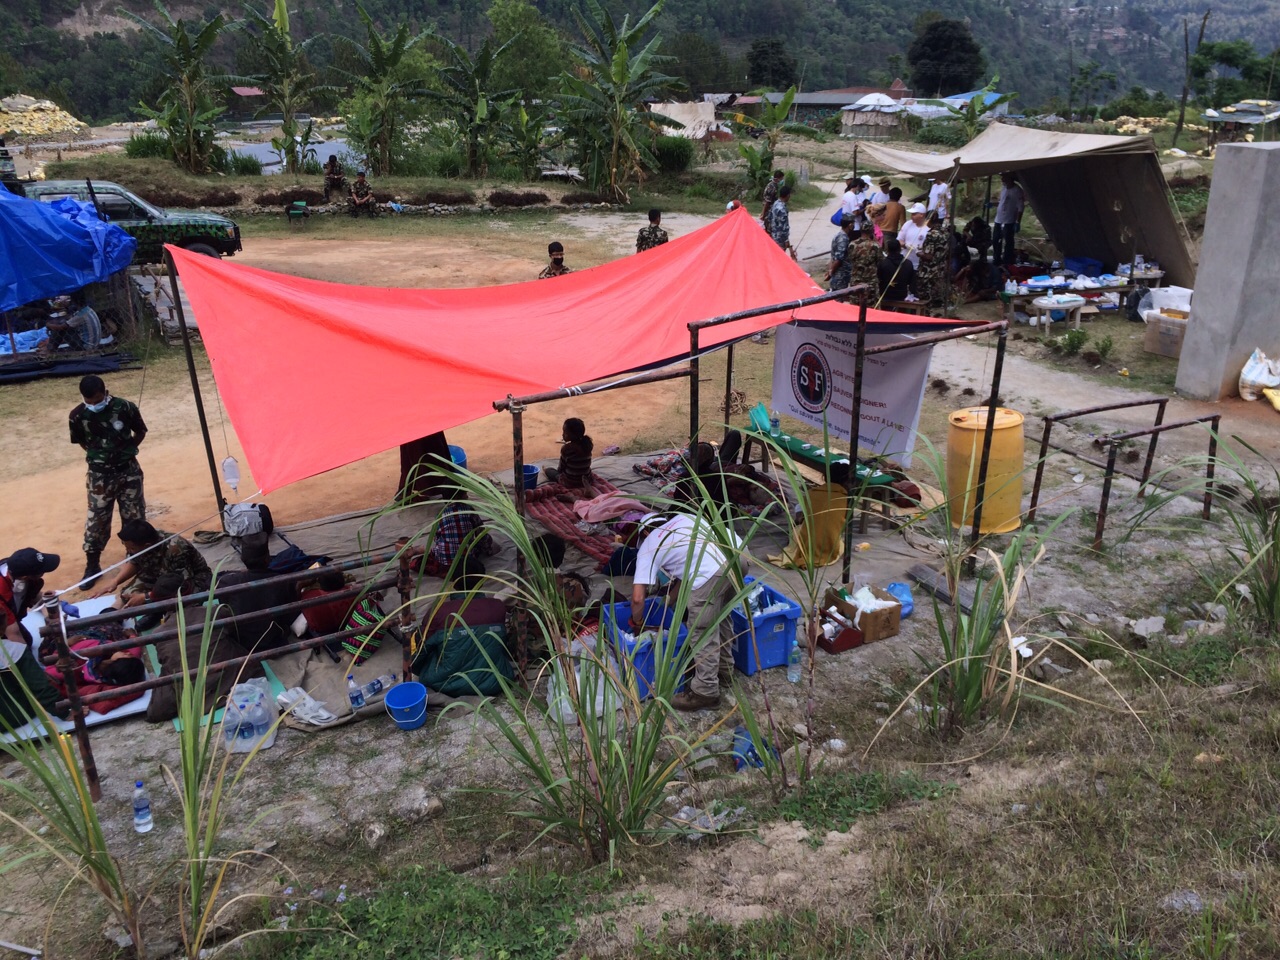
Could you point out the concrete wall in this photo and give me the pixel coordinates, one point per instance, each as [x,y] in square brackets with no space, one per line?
[1237,300]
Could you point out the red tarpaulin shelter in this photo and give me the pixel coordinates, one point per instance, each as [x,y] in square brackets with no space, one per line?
[393,365]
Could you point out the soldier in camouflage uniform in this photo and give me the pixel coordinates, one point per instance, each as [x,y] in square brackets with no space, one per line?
[556,268]
[361,197]
[174,558]
[864,259]
[840,269]
[109,429]
[770,196]
[653,235]
[931,278]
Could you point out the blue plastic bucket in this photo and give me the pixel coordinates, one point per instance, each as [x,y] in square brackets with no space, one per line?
[407,704]
[458,456]
[530,476]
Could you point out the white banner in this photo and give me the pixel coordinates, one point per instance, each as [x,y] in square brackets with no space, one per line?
[813,376]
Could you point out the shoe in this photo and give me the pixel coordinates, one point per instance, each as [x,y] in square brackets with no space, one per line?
[92,571]
[688,701]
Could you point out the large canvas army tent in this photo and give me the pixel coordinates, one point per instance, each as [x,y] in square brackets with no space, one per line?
[1097,196]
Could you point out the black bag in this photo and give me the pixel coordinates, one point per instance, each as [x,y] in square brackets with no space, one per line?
[1133,303]
[293,558]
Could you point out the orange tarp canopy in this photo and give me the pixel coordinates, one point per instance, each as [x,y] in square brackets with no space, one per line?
[315,375]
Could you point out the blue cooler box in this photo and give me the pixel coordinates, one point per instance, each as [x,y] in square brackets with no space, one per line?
[637,659]
[775,632]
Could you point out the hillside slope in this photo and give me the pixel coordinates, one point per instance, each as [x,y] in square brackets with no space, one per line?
[90,59]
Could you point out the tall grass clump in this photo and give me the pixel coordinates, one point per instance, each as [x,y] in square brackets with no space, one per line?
[50,806]
[1246,498]
[148,144]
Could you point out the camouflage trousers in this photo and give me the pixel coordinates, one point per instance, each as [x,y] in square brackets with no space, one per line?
[108,488]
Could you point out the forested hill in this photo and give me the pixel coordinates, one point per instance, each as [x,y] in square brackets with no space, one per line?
[88,59]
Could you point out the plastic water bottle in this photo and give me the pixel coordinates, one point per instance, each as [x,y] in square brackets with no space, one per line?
[260,719]
[231,724]
[231,473]
[142,821]
[245,732]
[775,425]
[375,687]
[793,663]
[354,693]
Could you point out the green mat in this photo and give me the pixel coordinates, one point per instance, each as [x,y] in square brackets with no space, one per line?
[153,658]
[806,453]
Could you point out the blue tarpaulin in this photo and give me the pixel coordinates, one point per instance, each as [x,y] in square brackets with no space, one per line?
[48,249]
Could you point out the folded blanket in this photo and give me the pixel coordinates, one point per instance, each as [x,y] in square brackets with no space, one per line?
[544,505]
[608,506]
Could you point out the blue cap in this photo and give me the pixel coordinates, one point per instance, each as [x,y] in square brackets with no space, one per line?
[137,783]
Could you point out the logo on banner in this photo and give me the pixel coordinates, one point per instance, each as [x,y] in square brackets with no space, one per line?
[811,378]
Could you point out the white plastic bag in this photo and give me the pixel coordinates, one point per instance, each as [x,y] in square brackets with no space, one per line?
[1258,374]
[589,668]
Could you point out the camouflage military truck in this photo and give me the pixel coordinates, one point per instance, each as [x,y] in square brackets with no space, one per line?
[152,227]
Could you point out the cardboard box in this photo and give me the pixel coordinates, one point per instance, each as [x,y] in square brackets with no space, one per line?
[1164,335]
[874,625]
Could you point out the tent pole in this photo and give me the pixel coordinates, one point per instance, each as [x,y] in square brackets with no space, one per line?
[728,388]
[517,455]
[694,371]
[855,159]
[195,383]
[13,341]
[993,403]
[855,424]
[986,204]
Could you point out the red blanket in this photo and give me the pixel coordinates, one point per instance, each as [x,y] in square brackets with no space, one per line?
[559,518]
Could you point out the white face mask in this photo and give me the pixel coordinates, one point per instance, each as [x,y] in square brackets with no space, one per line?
[98,407]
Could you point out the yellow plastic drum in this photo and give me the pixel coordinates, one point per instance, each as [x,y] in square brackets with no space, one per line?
[1002,510]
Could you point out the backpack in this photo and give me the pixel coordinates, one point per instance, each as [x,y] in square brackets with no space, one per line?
[246,519]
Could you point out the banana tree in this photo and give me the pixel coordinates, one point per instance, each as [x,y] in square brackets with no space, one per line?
[970,115]
[468,97]
[381,90]
[602,99]
[770,125]
[186,110]
[288,80]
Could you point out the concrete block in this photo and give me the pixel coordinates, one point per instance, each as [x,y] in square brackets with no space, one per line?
[1237,300]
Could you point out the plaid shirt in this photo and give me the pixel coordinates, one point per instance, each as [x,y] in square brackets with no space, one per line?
[459,525]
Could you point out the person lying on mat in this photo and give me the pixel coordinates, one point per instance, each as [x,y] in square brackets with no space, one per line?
[152,554]
[574,470]
[326,617]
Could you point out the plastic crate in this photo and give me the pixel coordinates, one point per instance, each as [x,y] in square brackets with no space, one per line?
[637,659]
[1084,266]
[775,632]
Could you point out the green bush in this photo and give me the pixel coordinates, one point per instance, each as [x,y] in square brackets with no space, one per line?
[832,124]
[701,191]
[244,165]
[674,154]
[447,163]
[942,133]
[148,144]
[311,167]
[1074,340]
[1105,346]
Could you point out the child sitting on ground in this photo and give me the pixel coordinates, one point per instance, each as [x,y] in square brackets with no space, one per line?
[574,471]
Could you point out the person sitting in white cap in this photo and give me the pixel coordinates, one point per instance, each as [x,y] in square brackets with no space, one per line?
[912,234]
